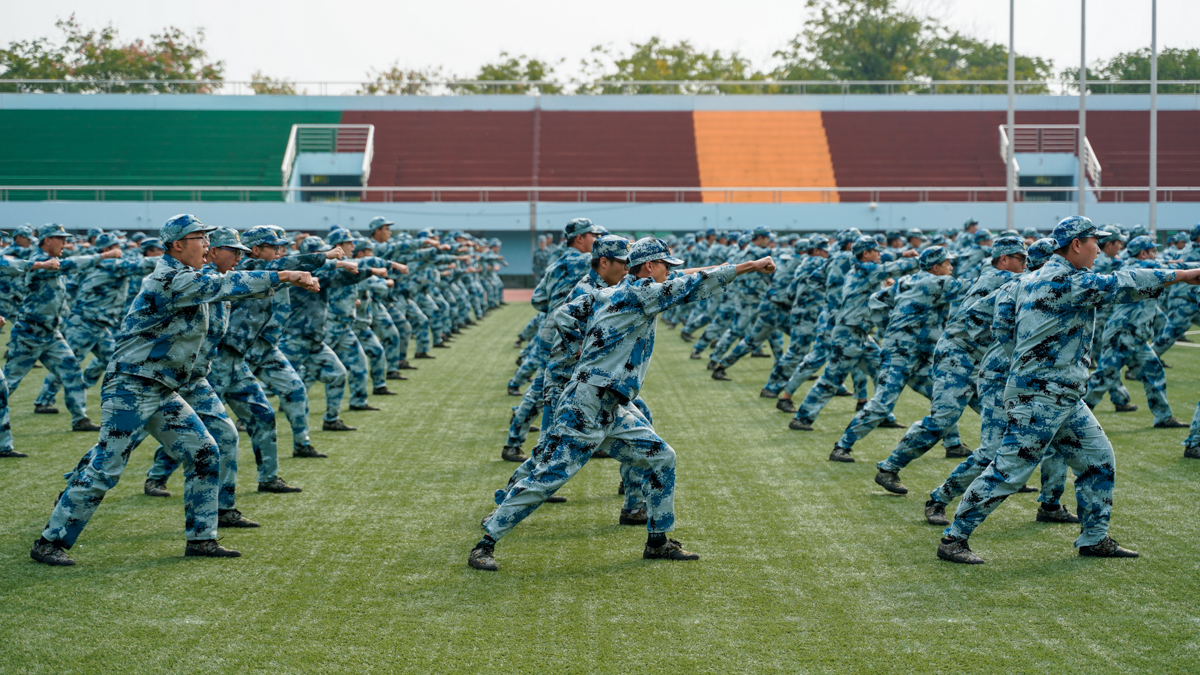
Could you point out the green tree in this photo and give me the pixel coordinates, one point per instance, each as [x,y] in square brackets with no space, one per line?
[1173,64]
[260,83]
[877,40]
[514,69]
[397,80]
[655,60]
[86,58]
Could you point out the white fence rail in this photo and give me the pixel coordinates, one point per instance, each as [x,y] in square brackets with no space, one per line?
[349,138]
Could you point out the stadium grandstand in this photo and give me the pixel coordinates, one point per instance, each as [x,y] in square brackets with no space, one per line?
[656,162]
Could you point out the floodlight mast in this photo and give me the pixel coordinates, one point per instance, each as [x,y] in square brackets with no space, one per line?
[1010,173]
[1082,138]
[1153,118]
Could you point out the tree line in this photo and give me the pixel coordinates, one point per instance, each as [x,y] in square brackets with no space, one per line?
[855,40]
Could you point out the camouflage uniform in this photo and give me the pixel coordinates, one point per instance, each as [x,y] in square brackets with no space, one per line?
[803,314]
[914,326]
[98,309]
[850,345]
[1182,305]
[1042,399]
[36,336]
[8,268]
[595,409]
[954,361]
[146,390]
[773,310]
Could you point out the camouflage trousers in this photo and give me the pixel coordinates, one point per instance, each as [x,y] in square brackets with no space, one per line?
[1182,311]
[800,340]
[905,363]
[771,317]
[526,411]
[587,418]
[991,435]
[420,327]
[722,317]
[850,349]
[130,408]
[817,357]
[433,326]
[29,344]
[373,350]
[632,478]
[531,328]
[220,427]
[6,439]
[535,355]
[441,319]
[404,330]
[234,382]
[953,391]
[699,317]
[1123,350]
[1039,423]
[82,336]
[388,335]
[279,378]
[315,361]
[342,340]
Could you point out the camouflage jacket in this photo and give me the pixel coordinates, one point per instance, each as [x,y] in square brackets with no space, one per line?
[971,329]
[1055,319]
[45,300]
[863,280]
[163,335]
[561,276]
[254,318]
[104,289]
[617,340]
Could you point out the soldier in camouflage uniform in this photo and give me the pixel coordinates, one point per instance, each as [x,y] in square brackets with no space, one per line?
[1183,303]
[96,312]
[12,267]
[955,359]
[147,391]
[850,346]
[1126,344]
[364,317]
[993,368]
[1054,310]
[225,250]
[765,307]
[805,300]
[615,347]
[36,336]
[304,336]
[918,309]
[12,288]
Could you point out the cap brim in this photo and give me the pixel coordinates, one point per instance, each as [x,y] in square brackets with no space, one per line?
[236,247]
[1099,234]
[674,262]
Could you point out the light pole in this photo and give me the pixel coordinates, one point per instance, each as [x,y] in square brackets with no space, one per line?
[1154,118]
[1082,104]
[1010,175]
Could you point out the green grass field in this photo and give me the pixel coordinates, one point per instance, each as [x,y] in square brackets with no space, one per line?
[807,565]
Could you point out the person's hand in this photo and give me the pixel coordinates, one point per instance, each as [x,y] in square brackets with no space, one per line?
[3,321]
[111,253]
[348,265]
[379,271]
[462,257]
[1188,276]
[442,247]
[765,265]
[887,283]
[335,253]
[358,303]
[400,267]
[909,254]
[391,283]
[51,264]
[301,280]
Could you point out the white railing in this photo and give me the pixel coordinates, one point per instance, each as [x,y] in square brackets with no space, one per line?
[576,194]
[687,87]
[1049,138]
[348,138]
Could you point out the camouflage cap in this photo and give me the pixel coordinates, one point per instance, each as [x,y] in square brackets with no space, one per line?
[1193,235]
[761,231]
[934,255]
[137,237]
[971,222]
[1177,238]
[1075,227]
[1032,233]
[914,232]
[378,222]
[180,226]
[148,243]
[803,243]
[881,238]
[313,244]
[494,242]
[339,236]
[26,231]
[227,237]
[52,230]
[1137,231]
[106,239]
[982,236]
[578,226]
[611,246]
[649,249]
[1008,246]
[1040,251]
[1139,244]
[848,236]
[265,235]
[363,244]
[94,232]
[863,244]
[712,231]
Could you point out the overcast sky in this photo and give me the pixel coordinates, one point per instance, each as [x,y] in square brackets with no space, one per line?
[309,40]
